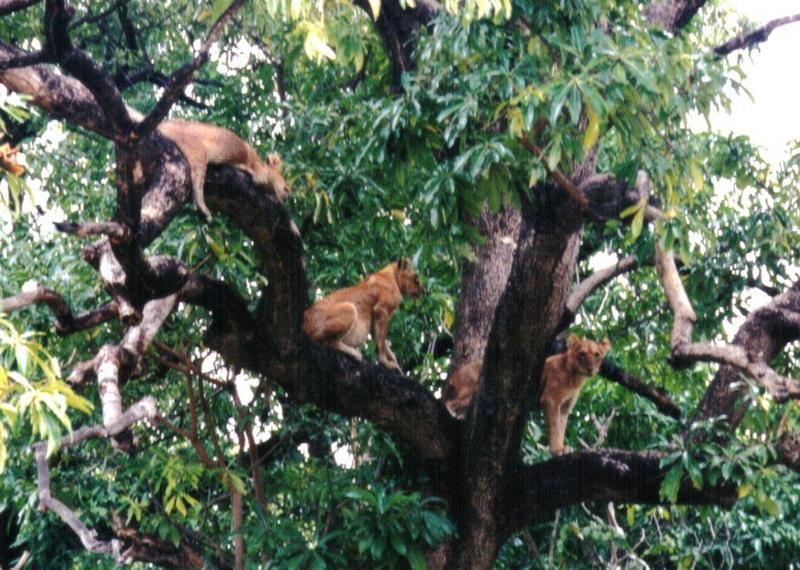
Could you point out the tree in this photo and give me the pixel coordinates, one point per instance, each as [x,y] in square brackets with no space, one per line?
[505,154]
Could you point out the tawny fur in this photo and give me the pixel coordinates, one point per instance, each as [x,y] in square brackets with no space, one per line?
[562,380]
[343,319]
[461,388]
[9,161]
[203,144]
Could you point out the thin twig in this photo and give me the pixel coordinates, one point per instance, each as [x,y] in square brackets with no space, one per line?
[183,76]
[561,179]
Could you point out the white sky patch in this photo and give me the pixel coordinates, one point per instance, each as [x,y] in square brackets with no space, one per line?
[770,119]
[343,456]
[601,260]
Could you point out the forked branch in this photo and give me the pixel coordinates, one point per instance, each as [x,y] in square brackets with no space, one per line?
[685,352]
[144,409]
[183,76]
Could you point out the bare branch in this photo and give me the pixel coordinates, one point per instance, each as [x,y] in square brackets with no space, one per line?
[143,409]
[684,315]
[61,96]
[66,323]
[40,294]
[655,394]
[23,560]
[46,501]
[24,60]
[182,77]
[149,548]
[114,230]
[258,484]
[113,362]
[684,352]
[78,64]
[90,319]
[91,18]
[9,6]
[749,39]
[597,280]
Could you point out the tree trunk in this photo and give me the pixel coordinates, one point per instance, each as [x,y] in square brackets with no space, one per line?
[482,283]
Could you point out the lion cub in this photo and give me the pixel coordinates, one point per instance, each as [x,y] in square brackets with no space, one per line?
[461,388]
[343,319]
[203,144]
[562,379]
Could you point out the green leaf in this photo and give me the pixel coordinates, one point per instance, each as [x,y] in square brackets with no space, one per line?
[21,355]
[697,177]
[554,155]
[592,132]
[671,484]
[217,8]
[574,105]
[766,504]
[637,224]
[398,544]
[695,474]
[416,559]
[516,123]
[641,76]
[558,103]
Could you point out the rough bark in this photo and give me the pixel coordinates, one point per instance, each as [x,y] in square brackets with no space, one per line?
[512,303]
[482,283]
[397,28]
[764,334]
[672,15]
[536,491]
[525,322]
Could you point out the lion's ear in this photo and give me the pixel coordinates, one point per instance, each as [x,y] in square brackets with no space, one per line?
[573,341]
[403,263]
[274,160]
[605,345]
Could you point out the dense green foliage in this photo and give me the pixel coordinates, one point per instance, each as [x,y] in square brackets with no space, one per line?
[375,175]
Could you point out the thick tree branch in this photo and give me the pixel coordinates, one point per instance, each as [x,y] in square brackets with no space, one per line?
[525,323]
[397,27]
[61,96]
[78,64]
[9,6]
[24,60]
[149,548]
[749,39]
[40,294]
[672,15]
[66,323]
[114,230]
[597,280]
[483,282]
[685,353]
[604,475]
